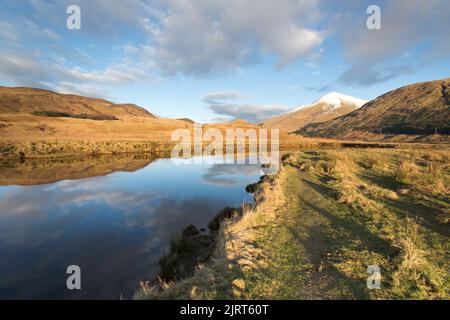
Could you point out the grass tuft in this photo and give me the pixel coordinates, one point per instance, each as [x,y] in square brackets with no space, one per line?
[416,276]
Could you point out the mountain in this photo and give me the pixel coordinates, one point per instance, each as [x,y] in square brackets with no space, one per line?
[51,104]
[328,107]
[411,113]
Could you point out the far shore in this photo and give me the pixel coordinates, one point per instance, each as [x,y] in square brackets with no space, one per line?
[52,149]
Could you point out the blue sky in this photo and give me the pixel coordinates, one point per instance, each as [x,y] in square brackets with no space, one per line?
[215,60]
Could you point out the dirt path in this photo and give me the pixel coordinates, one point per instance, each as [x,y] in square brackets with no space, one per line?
[300,244]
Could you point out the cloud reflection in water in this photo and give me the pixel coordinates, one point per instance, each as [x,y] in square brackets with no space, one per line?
[114,227]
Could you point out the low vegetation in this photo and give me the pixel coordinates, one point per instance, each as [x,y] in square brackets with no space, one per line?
[56,114]
[323,220]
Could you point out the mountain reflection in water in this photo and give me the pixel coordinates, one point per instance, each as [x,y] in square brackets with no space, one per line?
[112,216]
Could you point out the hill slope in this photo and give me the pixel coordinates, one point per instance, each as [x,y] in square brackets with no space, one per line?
[331,106]
[412,112]
[44,102]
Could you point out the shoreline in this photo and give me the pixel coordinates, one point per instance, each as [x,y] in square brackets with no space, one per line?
[59,149]
[192,247]
[201,248]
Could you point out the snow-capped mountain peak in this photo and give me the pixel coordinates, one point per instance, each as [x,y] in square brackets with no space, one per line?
[334,100]
[337,99]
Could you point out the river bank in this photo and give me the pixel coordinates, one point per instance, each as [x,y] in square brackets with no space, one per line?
[322,221]
[53,149]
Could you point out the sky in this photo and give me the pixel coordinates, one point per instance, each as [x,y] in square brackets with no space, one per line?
[219,60]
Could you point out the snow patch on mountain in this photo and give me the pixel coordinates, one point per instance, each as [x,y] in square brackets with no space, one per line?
[332,101]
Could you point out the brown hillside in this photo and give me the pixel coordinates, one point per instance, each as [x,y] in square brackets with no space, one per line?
[410,113]
[42,102]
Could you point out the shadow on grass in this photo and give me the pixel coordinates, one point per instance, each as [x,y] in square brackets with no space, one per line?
[407,205]
[342,230]
[317,246]
[353,231]
[325,191]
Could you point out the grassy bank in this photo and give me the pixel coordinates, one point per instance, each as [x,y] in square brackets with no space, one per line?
[323,220]
[64,148]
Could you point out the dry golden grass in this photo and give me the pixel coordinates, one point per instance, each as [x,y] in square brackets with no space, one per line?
[439,155]
[374,160]
[268,196]
[351,189]
[342,164]
[425,173]
[435,168]
[24,127]
[409,243]
[404,171]
[440,187]
[414,268]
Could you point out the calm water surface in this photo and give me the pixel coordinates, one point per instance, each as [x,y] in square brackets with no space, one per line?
[115,227]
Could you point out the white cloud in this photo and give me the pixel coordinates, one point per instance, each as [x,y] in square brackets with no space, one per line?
[204,37]
[21,68]
[249,112]
[29,69]
[375,55]
[252,113]
[208,38]
[213,97]
[121,73]
[87,90]
[194,37]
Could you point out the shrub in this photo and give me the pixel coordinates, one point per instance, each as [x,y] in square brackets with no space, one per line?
[58,114]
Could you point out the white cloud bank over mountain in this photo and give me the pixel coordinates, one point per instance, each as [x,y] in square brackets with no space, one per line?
[249,112]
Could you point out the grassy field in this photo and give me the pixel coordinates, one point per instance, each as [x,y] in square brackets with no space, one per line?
[323,220]
[28,136]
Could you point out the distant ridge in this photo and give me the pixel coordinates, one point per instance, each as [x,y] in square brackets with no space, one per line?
[186,120]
